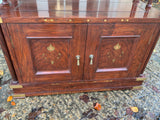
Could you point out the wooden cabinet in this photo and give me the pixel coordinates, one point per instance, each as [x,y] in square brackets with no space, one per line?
[54,47]
[75,54]
[48,52]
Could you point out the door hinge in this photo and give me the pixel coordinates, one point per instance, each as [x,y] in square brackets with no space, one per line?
[16,86]
[19,95]
[1,21]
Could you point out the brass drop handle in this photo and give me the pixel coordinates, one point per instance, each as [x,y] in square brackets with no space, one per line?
[78,60]
[91,59]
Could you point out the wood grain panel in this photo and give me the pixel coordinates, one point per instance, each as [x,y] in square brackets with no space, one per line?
[7,57]
[46,54]
[48,30]
[49,88]
[118,49]
[50,54]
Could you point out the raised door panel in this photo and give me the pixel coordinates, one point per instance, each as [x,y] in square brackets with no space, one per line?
[117,49]
[47,52]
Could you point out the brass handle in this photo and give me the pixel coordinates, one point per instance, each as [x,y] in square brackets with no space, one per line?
[78,60]
[91,59]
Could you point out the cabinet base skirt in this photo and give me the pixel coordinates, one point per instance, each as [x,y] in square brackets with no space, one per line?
[36,89]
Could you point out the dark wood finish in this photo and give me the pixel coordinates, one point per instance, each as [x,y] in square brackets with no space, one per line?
[43,38]
[7,57]
[47,89]
[152,43]
[118,49]
[134,8]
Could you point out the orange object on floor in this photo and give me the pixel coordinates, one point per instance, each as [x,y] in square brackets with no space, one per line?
[97,107]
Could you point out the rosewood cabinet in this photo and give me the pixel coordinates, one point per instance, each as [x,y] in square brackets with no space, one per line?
[75,50]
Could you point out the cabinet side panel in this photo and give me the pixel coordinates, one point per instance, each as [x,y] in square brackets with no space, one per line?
[11,51]
[152,43]
[7,56]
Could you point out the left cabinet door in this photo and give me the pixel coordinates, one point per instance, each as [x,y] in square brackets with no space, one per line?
[47,52]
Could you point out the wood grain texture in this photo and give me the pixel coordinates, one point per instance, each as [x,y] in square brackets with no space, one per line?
[126,60]
[7,56]
[32,44]
[90,86]
[51,54]
[151,45]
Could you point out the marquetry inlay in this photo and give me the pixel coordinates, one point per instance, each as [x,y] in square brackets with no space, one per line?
[50,48]
[43,55]
[59,54]
[117,46]
[122,52]
[52,62]
[113,60]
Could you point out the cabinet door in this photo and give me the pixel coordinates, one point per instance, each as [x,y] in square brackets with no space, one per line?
[116,50]
[47,52]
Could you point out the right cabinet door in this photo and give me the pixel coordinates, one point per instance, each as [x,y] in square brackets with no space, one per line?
[116,50]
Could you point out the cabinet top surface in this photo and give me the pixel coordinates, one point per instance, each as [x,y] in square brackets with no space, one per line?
[78,9]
